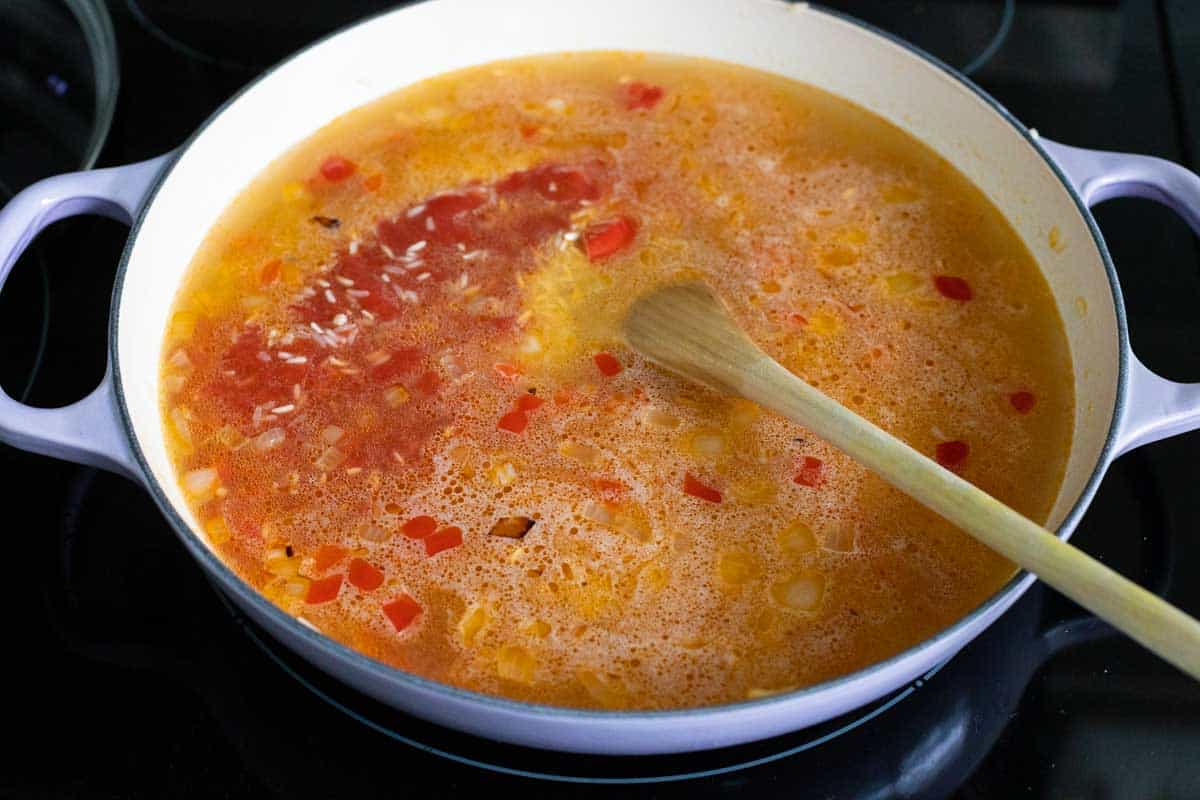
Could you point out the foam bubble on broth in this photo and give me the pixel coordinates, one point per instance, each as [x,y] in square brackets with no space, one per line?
[821,225]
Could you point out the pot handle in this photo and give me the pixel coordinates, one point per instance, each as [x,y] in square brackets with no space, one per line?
[1157,408]
[89,431]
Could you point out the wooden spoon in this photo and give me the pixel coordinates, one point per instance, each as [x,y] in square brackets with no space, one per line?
[686,329]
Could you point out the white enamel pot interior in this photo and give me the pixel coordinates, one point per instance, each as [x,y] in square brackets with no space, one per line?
[388,52]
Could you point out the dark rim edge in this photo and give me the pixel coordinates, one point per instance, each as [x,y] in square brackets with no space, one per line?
[231,582]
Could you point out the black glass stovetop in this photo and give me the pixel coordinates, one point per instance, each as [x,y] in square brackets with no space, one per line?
[126,675]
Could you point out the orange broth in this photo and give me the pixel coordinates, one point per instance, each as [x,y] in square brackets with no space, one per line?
[397,398]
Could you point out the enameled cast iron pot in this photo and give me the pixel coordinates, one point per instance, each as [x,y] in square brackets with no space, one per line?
[172,201]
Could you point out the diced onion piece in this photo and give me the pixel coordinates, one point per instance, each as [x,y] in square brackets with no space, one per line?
[608,692]
[635,524]
[179,360]
[174,383]
[707,442]
[296,587]
[200,482]
[839,539]
[537,628]
[744,414]
[283,565]
[754,491]
[229,436]
[217,530]
[503,474]
[269,439]
[179,420]
[797,539]
[736,567]
[801,593]
[374,533]
[472,623]
[897,283]
[658,418]
[579,452]
[511,527]
[329,459]
[253,301]
[395,396]
[331,434]
[597,512]
[515,663]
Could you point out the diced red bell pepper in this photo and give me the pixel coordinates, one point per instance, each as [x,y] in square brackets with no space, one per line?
[692,486]
[529,402]
[1023,402]
[444,539]
[327,556]
[952,454]
[513,422]
[419,527]
[607,238]
[641,95]
[323,590]
[607,364]
[952,287]
[402,611]
[363,575]
[336,168]
[809,473]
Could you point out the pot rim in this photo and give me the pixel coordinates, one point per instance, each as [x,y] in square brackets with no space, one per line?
[234,584]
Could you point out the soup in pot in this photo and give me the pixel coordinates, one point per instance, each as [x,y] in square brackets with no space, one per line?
[397,399]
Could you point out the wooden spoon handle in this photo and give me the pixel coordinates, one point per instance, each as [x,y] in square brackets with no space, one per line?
[1149,619]
[686,329]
